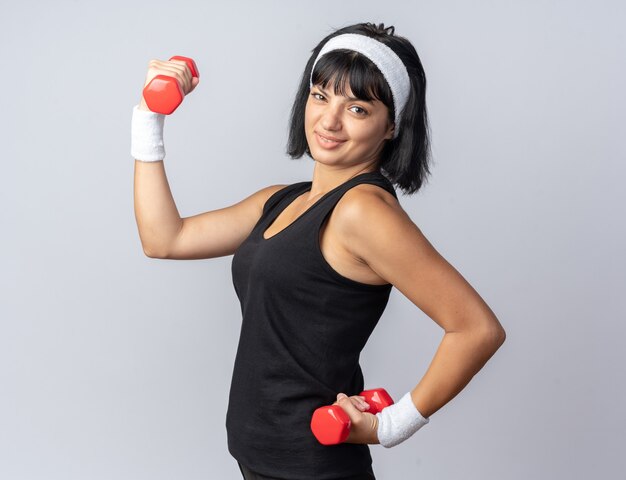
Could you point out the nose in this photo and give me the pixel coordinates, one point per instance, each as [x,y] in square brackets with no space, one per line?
[331,118]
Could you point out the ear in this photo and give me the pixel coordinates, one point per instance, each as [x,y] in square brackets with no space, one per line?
[390,131]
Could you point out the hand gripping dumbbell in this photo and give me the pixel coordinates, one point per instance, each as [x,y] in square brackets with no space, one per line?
[163,94]
[331,424]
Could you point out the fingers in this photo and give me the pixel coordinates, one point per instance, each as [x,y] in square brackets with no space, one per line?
[347,404]
[172,68]
[364,424]
[186,73]
[194,83]
[357,400]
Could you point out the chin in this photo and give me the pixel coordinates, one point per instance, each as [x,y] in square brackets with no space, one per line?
[321,158]
[329,160]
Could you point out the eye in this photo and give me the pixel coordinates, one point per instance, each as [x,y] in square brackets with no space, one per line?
[315,95]
[359,110]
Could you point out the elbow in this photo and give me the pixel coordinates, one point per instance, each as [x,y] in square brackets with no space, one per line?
[495,336]
[149,253]
[493,331]
[153,253]
[501,336]
[153,247]
[489,334]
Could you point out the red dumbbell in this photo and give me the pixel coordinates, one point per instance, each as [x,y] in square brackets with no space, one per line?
[331,424]
[163,94]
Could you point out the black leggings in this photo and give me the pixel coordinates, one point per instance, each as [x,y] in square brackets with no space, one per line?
[250,475]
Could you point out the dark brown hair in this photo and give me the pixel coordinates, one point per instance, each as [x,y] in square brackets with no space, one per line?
[405,159]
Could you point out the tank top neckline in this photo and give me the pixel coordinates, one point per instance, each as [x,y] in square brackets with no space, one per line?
[306,186]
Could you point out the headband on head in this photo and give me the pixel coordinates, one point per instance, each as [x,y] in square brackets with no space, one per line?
[383,57]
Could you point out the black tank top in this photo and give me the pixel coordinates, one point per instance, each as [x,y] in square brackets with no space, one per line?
[303,328]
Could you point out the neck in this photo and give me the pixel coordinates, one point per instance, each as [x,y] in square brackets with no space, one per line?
[325,177]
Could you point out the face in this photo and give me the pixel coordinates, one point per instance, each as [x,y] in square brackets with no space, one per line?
[342,130]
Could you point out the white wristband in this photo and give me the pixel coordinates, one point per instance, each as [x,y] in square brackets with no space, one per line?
[399,421]
[146,137]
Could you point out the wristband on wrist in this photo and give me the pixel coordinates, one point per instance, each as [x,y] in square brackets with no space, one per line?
[399,421]
[146,138]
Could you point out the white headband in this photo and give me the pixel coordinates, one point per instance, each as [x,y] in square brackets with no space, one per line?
[383,57]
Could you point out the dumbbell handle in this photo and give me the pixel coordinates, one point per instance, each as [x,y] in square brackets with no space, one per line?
[331,424]
[163,93]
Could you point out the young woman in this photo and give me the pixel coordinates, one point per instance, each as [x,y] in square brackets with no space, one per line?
[314,262]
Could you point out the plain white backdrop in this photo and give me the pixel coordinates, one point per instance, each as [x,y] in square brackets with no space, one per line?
[117,366]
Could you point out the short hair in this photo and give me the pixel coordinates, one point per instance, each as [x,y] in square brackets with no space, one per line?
[404,160]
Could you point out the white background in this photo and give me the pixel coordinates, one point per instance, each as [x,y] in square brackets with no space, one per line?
[117,366]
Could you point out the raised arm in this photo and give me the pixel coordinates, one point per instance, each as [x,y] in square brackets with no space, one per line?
[163,233]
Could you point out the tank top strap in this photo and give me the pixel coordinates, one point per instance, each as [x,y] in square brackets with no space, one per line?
[313,217]
[284,195]
[330,200]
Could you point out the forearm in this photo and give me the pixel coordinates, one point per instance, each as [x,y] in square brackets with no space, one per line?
[459,357]
[156,214]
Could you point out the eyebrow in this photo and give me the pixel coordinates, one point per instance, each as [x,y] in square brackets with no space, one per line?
[352,99]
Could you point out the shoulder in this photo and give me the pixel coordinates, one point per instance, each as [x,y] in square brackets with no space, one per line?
[264,194]
[368,216]
[367,202]
[369,192]
[267,192]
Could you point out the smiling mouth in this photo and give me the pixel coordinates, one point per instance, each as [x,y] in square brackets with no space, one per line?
[328,141]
